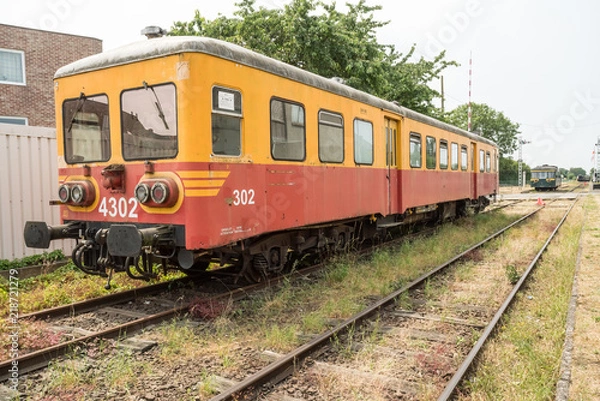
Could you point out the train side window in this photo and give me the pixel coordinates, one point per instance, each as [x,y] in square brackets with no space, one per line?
[431,152]
[363,142]
[443,154]
[415,150]
[488,162]
[86,129]
[464,158]
[454,156]
[331,137]
[149,122]
[226,122]
[288,131]
[481,161]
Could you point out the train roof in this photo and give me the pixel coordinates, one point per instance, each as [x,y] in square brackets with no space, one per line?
[545,167]
[170,45]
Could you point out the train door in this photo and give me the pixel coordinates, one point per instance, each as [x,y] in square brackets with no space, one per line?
[391,133]
[474,175]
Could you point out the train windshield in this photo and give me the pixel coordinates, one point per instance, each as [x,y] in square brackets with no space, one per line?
[542,175]
[149,122]
[86,129]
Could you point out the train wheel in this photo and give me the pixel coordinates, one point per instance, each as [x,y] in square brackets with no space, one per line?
[341,243]
[257,269]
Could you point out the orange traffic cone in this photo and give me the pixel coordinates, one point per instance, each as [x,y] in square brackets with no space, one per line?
[540,202]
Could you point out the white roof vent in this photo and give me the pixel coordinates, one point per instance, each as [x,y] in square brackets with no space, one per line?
[152,32]
[339,80]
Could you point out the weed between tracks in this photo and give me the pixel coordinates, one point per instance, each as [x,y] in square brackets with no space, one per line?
[63,286]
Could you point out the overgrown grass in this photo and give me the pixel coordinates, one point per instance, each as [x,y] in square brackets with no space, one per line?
[65,285]
[348,284]
[73,378]
[522,362]
[274,319]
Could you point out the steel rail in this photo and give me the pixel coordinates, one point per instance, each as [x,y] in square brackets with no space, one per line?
[286,365]
[41,358]
[88,305]
[467,363]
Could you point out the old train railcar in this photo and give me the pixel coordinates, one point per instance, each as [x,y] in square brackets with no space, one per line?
[192,150]
[545,178]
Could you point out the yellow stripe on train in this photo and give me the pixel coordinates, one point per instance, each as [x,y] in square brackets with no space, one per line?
[203,183]
[203,174]
[201,192]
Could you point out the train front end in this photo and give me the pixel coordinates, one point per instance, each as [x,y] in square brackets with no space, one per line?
[545,178]
[119,150]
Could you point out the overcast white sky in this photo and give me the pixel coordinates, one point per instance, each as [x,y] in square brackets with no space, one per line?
[537,61]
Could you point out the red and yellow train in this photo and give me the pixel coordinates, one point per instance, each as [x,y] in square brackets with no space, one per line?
[192,150]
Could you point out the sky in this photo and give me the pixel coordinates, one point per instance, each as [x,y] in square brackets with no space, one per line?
[536,61]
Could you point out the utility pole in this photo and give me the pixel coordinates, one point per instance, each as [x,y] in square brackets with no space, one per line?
[596,177]
[469,111]
[520,161]
[442,79]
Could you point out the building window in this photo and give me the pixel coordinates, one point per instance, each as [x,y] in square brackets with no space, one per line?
[331,137]
[226,122]
[12,67]
[14,120]
[363,142]
[288,131]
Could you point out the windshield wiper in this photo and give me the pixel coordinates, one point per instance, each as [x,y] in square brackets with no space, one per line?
[78,108]
[157,104]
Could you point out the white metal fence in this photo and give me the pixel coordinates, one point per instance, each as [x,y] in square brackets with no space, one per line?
[28,180]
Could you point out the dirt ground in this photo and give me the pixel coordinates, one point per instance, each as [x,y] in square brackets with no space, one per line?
[585,376]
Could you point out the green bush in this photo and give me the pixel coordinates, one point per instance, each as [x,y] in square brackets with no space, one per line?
[46,257]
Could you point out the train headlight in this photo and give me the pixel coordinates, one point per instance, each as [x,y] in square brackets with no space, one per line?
[160,192]
[64,193]
[142,192]
[157,192]
[78,194]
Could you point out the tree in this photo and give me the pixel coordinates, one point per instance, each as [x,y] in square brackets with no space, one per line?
[574,172]
[509,171]
[491,124]
[317,37]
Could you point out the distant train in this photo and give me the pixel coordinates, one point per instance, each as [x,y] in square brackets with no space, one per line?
[583,178]
[545,178]
[193,151]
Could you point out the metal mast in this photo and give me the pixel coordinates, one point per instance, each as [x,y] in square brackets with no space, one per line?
[520,161]
[470,79]
[596,177]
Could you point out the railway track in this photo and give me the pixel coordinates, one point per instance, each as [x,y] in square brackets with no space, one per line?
[134,324]
[446,330]
[128,322]
[66,317]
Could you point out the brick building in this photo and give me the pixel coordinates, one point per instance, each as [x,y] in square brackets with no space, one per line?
[28,60]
